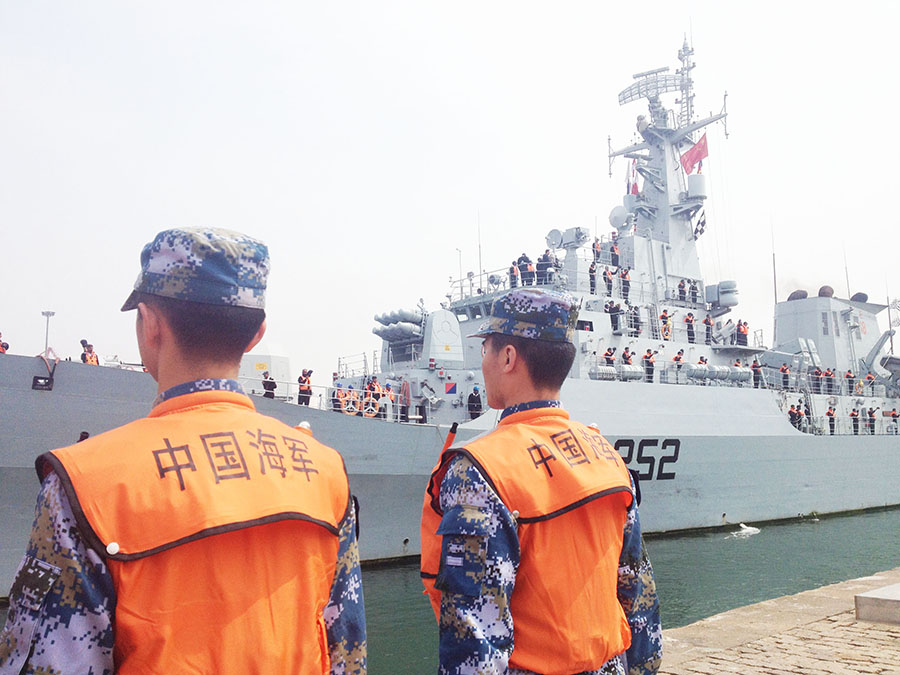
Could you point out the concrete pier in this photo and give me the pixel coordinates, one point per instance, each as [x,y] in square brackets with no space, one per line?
[810,633]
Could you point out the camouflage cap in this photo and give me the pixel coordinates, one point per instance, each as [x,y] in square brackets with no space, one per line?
[215,267]
[534,314]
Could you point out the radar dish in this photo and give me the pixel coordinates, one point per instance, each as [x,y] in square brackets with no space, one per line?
[618,217]
[650,86]
[826,292]
[554,239]
[798,295]
[859,297]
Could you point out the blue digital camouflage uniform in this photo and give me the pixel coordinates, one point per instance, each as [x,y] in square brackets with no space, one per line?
[476,628]
[62,603]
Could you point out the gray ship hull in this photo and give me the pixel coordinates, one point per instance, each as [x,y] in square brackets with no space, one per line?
[704,453]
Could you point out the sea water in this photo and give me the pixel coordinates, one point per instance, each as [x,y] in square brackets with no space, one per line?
[697,575]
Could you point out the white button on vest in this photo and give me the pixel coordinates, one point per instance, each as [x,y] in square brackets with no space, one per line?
[112,548]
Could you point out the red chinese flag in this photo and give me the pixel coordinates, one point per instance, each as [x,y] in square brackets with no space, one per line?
[699,152]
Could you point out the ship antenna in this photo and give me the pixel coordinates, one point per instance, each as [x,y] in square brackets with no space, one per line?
[846,271]
[480,266]
[774,275]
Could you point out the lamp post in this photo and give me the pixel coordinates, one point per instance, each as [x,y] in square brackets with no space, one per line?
[47,314]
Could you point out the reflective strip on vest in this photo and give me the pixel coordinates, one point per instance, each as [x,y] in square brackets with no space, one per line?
[567,484]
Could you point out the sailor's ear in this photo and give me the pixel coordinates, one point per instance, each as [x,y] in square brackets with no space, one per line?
[256,338]
[149,322]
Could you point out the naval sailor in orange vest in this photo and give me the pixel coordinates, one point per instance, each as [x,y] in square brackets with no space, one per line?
[206,537]
[532,530]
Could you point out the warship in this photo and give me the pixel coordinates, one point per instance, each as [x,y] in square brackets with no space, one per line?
[718,427]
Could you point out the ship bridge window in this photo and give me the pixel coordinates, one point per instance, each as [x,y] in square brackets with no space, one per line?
[462,315]
[585,325]
[824,323]
[477,311]
[837,326]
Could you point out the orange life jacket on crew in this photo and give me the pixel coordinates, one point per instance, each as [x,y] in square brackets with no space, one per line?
[92,359]
[304,384]
[677,358]
[2,348]
[580,496]
[784,369]
[648,357]
[219,527]
[626,358]
[830,412]
[689,320]
[625,276]
[515,271]
[741,328]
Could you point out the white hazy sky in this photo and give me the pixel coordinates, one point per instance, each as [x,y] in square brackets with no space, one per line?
[364,141]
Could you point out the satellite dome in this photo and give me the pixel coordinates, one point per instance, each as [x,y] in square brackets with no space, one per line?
[618,217]
[826,292]
[859,297]
[798,295]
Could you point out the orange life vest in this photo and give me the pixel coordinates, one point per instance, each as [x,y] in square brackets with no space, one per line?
[304,384]
[92,359]
[219,527]
[2,348]
[581,496]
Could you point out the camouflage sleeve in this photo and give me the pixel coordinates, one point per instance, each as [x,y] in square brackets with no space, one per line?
[637,595]
[62,600]
[345,618]
[479,559]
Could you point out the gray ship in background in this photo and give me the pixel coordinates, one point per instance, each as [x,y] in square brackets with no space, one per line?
[709,444]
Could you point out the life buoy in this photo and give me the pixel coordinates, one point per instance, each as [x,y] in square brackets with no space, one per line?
[350,404]
[370,406]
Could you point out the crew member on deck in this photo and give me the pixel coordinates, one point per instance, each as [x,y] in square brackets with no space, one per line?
[695,292]
[757,373]
[854,419]
[592,276]
[608,280]
[689,324]
[785,376]
[513,275]
[304,388]
[850,379]
[532,530]
[90,356]
[682,290]
[648,361]
[830,415]
[626,357]
[268,384]
[708,322]
[205,537]
[610,356]
[474,403]
[625,278]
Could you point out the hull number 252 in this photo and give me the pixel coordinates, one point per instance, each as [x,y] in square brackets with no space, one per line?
[655,459]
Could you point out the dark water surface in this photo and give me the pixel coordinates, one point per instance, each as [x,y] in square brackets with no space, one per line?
[697,575]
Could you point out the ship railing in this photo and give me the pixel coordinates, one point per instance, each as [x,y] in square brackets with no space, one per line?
[865,426]
[357,365]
